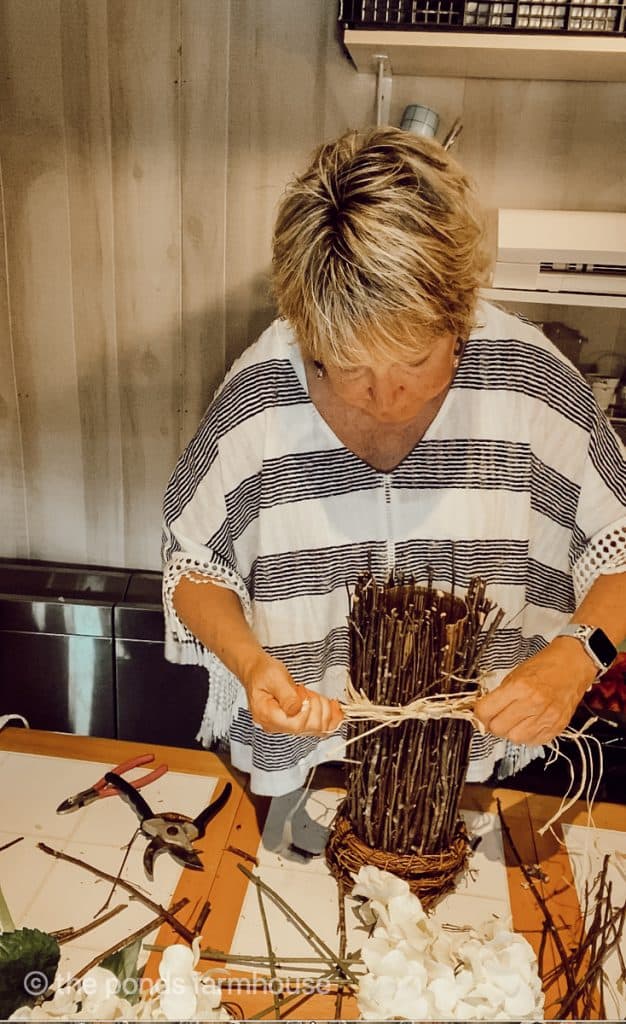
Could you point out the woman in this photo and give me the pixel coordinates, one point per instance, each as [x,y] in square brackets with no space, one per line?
[389,420]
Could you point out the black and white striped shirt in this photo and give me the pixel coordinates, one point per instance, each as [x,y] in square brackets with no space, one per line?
[518,478]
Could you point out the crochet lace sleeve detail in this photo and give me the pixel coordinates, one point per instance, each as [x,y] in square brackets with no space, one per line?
[183,648]
[199,572]
[605,554]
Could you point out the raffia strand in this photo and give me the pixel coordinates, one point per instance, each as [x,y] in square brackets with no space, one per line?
[357,707]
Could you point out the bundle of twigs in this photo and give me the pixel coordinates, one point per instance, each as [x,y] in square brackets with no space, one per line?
[580,958]
[404,782]
[600,935]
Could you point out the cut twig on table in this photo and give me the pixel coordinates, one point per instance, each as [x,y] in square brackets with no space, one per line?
[8,845]
[243,855]
[314,939]
[129,939]
[119,872]
[270,952]
[69,934]
[205,910]
[184,932]
[599,936]
[252,960]
[549,920]
[341,928]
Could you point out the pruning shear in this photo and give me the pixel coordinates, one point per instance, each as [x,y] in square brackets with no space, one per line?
[169,831]
[102,788]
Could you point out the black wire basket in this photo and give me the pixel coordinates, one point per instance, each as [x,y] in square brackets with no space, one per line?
[606,17]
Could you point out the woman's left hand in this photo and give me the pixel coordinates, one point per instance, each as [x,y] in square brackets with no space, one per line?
[536,701]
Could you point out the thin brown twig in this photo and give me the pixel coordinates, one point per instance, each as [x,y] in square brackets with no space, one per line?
[262,961]
[270,951]
[312,936]
[243,855]
[185,933]
[129,939]
[596,941]
[569,1002]
[11,843]
[554,932]
[342,942]
[329,976]
[69,934]
[205,910]
[119,873]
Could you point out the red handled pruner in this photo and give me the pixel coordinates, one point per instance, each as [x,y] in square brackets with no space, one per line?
[102,788]
[169,832]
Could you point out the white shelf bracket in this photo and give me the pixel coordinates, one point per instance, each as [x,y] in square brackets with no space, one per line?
[383,88]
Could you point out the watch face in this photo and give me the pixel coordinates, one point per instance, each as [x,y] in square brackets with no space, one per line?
[602,647]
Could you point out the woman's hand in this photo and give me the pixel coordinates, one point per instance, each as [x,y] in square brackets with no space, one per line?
[278,704]
[536,701]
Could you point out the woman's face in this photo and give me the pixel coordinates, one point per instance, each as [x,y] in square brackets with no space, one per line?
[396,393]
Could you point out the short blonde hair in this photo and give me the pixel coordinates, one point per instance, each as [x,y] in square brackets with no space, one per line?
[378,249]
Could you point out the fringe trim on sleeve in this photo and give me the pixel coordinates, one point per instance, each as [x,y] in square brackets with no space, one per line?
[5,719]
[182,647]
[516,756]
[604,554]
[492,755]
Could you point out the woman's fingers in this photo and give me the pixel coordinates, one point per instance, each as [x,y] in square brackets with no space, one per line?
[319,716]
[517,717]
[537,699]
[278,704]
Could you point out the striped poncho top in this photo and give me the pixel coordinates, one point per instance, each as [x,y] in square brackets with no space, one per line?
[519,479]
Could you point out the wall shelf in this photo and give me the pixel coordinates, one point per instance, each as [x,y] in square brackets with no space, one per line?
[554,298]
[570,57]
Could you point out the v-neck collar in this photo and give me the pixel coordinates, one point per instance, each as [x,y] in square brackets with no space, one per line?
[297,363]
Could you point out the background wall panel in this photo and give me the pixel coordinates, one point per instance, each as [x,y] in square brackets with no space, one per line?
[144,69]
[144,147]
[88,147]
[12,486]
[290,89]
[205,35]
[40,279]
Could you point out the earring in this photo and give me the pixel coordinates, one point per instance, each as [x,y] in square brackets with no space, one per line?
[457,352]
[319,369]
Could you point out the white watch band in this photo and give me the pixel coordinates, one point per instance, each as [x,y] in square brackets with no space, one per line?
[582,632]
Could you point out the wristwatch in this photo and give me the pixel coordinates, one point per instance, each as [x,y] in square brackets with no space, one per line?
[596,643]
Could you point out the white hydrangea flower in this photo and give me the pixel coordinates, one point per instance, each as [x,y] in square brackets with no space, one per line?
[22,1013]
[176,970]
[99,997]
[181,994]
[417,971]
[376,994]
[374,884]
[445,996]
[63,1003]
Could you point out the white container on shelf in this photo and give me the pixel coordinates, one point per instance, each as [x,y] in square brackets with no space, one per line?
[604,389]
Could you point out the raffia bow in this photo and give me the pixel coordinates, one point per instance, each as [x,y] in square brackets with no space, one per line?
[357,707]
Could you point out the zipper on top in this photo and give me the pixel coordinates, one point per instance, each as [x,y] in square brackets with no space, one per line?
[391,548]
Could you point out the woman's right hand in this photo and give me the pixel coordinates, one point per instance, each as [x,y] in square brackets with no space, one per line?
[278,704]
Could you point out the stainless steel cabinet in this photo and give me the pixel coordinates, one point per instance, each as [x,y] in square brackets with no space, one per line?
[157,702]
[82,651]
[56,646]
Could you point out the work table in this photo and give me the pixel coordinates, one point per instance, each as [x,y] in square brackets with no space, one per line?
[38,769]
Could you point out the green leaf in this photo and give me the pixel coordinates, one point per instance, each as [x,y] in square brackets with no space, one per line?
[6,921]
[124,966]
[28,963]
